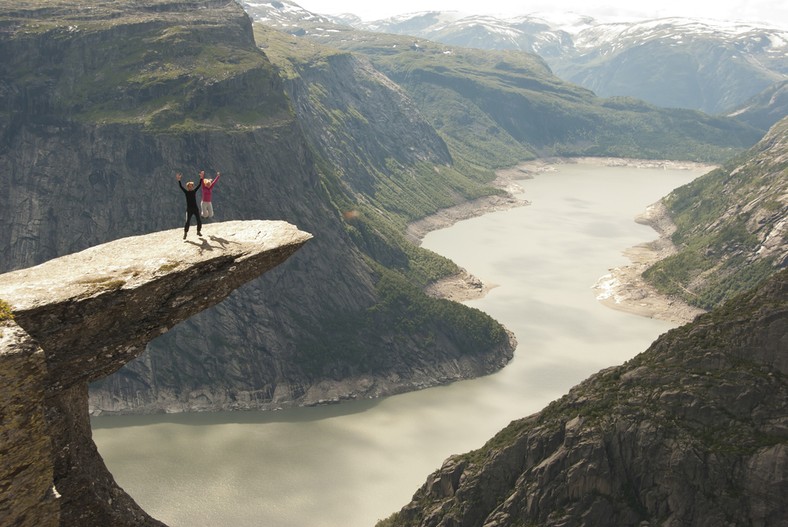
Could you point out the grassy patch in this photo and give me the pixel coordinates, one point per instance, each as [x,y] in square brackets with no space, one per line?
[167,267]
[5,311]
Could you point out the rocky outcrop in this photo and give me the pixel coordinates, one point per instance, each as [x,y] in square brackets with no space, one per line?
[692,432]
[81,317]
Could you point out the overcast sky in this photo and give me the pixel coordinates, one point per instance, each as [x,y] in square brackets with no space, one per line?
[773,13]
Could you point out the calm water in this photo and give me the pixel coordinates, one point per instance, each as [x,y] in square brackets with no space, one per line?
[352,464]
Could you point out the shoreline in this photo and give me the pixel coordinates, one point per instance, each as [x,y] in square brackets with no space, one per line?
[622,289]
[463,285]
[505,179]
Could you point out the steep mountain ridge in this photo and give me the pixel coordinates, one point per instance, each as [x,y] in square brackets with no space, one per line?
[766,108]
[690,432]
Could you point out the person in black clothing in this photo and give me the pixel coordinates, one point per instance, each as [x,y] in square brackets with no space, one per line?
[191,203]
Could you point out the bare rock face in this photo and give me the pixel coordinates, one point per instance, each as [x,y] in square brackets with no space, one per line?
[692,432]
[26,496]
[81,317]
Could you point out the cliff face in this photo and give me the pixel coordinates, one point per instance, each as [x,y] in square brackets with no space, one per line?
[81,317]
[691,432]
[357,118]
[100,105]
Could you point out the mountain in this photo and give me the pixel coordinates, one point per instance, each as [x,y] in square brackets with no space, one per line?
[103,103]
[706,65]
[682,63]
[494,108]
[766,108]
[731,226]
[690,432]
[527,33]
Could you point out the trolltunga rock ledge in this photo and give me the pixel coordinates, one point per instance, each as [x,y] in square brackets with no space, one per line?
[95,310]
[81,317]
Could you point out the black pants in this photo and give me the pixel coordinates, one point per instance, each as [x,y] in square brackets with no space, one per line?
[189,214]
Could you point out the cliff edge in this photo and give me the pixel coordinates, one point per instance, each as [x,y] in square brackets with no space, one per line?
[81,317]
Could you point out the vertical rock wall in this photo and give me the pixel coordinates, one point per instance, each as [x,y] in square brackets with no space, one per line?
[26,474]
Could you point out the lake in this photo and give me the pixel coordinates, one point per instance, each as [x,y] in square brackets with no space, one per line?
[352,464]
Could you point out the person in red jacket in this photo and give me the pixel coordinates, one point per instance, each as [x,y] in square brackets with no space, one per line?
[207,189]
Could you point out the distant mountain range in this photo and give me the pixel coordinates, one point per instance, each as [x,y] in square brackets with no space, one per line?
[498,107]
[673,62]
[706,65]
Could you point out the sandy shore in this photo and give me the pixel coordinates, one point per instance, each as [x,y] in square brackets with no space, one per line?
[465,286]
[623,288]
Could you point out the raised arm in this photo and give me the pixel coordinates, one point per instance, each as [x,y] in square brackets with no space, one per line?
[178,176]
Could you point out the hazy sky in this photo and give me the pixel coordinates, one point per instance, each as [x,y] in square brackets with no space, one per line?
[774,13]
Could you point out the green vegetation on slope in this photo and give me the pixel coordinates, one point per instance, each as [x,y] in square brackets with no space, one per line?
[494,106]
[381,173]
[394,172]
[341,347]
[729,226]
[126,64]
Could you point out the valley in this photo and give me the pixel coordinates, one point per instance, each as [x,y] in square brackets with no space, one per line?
[470,208]
[359,461]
